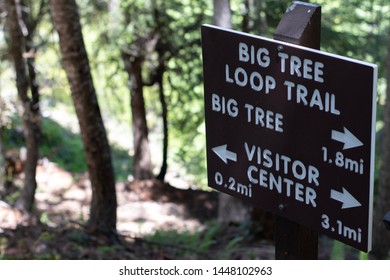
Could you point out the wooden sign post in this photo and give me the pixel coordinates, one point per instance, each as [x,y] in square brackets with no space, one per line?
[300,25]
[291,129]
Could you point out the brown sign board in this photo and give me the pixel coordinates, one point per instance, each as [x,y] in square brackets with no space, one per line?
[291,130]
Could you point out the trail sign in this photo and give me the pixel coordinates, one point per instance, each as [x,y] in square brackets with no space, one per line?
[291,130]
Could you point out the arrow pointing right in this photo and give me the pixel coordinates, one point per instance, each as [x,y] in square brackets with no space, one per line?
[346,137]
[223,153]
[346,198]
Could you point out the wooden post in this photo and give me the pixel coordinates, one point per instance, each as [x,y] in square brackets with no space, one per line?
[300,25]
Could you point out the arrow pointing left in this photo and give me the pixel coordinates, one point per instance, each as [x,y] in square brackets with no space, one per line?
[347,200]
[223,153]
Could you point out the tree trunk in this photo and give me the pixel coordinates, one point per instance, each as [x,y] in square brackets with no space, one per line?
[142,163]
[2,107]
[31,118]
[246,15]
[160,82]
[381,237]
[254,17]
[76,64]
[260,24]
[230,209]
[222,13]
[2,12]
[2,160]
[162,47]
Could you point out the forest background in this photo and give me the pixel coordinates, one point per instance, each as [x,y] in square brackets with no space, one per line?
[136,68]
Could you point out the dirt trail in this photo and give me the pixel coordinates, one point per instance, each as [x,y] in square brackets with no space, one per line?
[143,207]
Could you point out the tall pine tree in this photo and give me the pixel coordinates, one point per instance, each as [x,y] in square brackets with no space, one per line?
[76,65]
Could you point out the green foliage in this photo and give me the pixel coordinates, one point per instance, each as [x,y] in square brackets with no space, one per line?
[12,197]
[264,15]
[134,26]
[108,249]
[363,256]
[338,251]
[198,244]
[3,246]
[13,138]
[44,218]
[357,29]
[235,242]
[62,146]
[46,236]
[122,162]
[66,149]
[341,251]
[79,237]
[186,243]
[183,241]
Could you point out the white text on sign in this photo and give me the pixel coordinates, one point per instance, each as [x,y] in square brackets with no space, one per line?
[294,66]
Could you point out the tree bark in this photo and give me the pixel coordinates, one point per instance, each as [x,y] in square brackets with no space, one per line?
[31,118]
[381,237]
[142,163]
[76,64]
[230,209]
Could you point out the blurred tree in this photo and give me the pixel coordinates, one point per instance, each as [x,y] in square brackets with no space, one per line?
[164,51]
[254,17]
[161,68]
[2,105]
[76,65]
[222,13]
[2,160]
[21,27]
[381,236]
[165,35]
[179,68]
[139,43]
[133,60]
